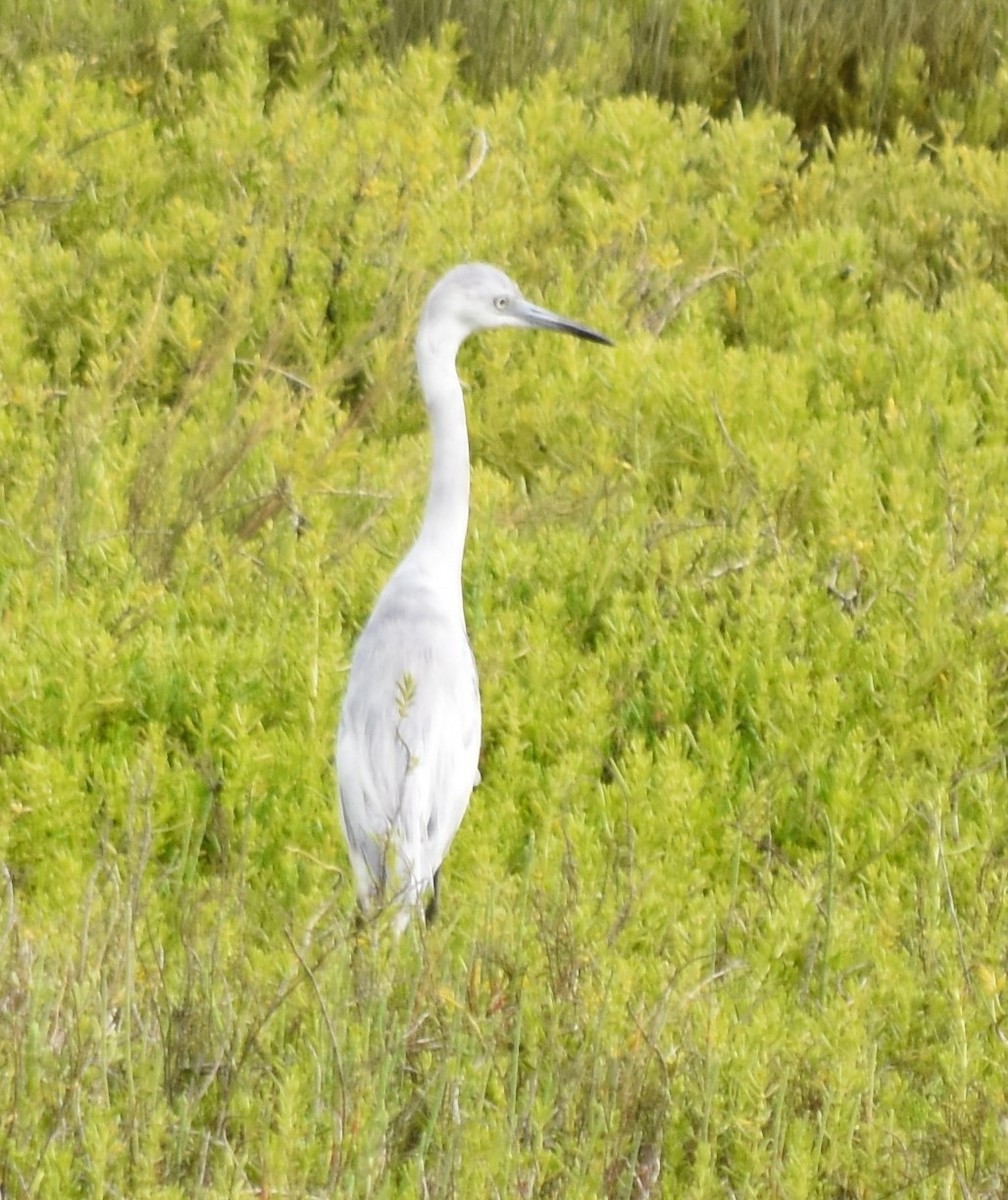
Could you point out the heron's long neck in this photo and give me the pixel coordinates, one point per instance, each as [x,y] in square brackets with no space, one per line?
[443,533]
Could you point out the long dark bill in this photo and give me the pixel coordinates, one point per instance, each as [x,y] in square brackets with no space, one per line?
[542,318]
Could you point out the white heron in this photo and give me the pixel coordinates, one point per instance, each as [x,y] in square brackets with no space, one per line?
[408,744]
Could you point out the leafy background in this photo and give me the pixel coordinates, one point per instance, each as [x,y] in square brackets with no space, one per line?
[727,915]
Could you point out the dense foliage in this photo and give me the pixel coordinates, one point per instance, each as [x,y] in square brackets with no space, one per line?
[832,67]
[727,915]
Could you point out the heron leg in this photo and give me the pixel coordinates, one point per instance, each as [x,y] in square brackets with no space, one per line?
[430,912]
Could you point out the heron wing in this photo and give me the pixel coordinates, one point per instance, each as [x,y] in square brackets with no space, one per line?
[408,744]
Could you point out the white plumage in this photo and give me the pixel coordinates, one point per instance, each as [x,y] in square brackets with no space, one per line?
[407,749]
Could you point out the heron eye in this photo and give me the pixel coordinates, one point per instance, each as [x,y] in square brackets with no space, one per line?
[501,302]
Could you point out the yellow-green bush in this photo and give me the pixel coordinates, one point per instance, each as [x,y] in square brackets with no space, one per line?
[728,905]
[833,68]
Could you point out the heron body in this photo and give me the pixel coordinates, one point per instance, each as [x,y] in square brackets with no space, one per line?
[407,748]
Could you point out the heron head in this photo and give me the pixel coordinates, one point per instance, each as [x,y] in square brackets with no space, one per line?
[476,296]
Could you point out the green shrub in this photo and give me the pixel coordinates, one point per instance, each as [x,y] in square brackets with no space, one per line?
[833,68]
[727,910]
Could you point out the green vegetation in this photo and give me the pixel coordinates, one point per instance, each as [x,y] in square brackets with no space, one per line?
[832,67]
[727,915]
